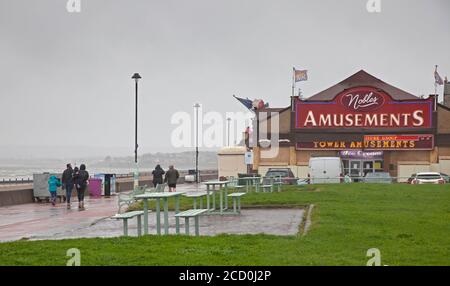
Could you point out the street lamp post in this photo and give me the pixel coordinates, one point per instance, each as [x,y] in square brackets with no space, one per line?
[228,131]
[196,106]
[136,78]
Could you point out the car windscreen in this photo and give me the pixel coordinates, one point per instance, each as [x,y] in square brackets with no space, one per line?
[429,177]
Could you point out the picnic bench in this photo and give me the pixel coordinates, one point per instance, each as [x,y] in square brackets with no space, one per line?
[267,184]
[127,199]
[192,214]
[211,187]
[236,201]
[126,216]
[158,196]
[251,181]
[195,196]
[234,183]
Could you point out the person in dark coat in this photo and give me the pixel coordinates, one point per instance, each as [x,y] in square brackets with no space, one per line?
[81,182]
[171,178]
[158,175]
[67,183]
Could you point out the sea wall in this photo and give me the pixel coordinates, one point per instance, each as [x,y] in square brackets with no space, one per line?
[23,194]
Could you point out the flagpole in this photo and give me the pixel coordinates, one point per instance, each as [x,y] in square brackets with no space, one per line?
[293,82]
[436,96]
[435,81]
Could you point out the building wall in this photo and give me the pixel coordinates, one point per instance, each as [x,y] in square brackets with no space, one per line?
[304,155]
[231,165]
[443,120]
[406,169]
[284,122]
[444,151]
[392,160]
[282,157]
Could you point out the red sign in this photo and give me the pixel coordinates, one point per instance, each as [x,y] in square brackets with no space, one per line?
[362,100]
[364,107]
[374,142]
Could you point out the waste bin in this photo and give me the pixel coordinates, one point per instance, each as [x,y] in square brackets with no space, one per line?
[95,187]
[108,183]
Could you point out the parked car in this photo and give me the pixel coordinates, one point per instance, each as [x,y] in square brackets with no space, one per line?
[326,170]
[378,178]
[284,174]
[446,178]
[428,178]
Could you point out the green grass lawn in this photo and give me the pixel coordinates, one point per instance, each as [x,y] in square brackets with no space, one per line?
[409,224]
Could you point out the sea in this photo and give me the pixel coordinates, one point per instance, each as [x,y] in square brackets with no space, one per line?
[26,172]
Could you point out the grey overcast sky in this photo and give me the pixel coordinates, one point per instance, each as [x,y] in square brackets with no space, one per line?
[65,78]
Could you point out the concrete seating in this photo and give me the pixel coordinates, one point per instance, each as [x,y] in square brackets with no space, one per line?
[126,216]
[189,214]
[236,201]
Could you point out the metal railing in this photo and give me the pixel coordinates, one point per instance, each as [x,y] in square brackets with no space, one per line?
[16,181]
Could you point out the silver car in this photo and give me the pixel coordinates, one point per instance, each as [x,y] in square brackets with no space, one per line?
[428,178]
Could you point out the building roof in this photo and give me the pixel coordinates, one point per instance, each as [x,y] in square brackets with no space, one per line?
[232,150]
[361,78]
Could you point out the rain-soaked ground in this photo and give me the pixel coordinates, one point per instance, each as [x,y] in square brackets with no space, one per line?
[42,221]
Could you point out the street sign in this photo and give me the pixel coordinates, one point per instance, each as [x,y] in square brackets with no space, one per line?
[249,158]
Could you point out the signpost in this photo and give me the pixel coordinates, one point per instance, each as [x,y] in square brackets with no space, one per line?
[249,158]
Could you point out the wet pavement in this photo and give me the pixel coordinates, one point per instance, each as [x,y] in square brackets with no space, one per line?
[42,221]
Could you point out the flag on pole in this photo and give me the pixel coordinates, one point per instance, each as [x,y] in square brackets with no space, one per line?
[437,78]
[300,75]
[246,102]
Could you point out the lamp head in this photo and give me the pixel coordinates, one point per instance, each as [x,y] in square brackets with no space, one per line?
[136,77]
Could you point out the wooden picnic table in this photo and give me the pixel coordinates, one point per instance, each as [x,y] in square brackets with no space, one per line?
[211,187]
[165,197]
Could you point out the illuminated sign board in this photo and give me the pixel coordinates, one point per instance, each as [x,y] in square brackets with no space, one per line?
[374,142]
[364,107]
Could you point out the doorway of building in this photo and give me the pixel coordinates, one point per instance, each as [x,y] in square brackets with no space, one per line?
[358,168]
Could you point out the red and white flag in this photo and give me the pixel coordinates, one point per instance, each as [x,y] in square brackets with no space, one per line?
[437,78]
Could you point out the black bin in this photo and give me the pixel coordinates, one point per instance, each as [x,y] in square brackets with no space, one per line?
[109,181]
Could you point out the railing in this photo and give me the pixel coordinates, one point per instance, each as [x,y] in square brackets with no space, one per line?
[16,181]
[19,181]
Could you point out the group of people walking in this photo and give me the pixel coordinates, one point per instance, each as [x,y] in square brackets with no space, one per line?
[71,178]
[171,177]
[78,178]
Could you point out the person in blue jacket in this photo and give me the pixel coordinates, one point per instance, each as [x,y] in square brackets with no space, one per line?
[53,184]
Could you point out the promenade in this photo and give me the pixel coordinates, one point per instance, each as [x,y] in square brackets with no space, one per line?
[39,221]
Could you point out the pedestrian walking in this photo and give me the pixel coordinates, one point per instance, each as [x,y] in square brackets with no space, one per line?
[53,184]
[81,182]
[158,173]
[67,183]
[171,178]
